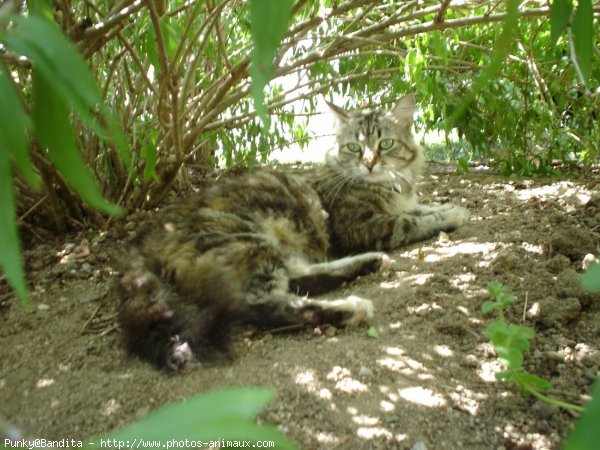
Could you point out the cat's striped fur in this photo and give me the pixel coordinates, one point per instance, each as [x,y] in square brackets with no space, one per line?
[255,248]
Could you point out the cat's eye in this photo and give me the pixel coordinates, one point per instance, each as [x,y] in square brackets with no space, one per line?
[353,147]
[386,144]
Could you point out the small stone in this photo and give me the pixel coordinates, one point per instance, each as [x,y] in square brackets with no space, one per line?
[142,412]
[43,307]
[86,268]
[471,361]
[99,238]
[391,418]
[91,296]
[422,310]
[419,445]
[588,260]
[534,311]
[365,372]
[443,237]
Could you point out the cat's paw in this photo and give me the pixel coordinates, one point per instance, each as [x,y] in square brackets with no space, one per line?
[373,262]
[455,215]
[386,263]
[361,309]
[181,357]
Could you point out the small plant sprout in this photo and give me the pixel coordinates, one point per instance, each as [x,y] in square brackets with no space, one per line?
[511,342]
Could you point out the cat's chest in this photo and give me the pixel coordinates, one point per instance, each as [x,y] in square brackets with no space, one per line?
[395,202]
[388,200]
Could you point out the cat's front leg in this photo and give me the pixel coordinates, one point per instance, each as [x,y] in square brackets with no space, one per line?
[450,209]
[313,279]
[426,222]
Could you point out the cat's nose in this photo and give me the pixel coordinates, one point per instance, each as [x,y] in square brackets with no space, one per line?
[369,159]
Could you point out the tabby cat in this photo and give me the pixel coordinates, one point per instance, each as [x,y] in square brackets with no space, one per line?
[254,249]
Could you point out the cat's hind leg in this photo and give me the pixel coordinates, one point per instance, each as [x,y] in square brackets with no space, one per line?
[313,279]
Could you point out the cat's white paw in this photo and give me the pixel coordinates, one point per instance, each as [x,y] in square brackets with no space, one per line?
[182,357]
[386,263]
[456,215]
[381,261]
[362,309]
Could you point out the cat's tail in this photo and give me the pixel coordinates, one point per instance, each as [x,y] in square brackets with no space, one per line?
[170,331]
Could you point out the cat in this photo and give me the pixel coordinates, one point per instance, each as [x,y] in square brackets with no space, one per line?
[368,184]
[255,248]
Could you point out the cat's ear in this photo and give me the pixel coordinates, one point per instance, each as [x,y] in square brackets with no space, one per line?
[340,113]
[404,110]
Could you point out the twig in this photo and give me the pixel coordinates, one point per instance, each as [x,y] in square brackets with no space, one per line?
[87,322]
[30,210]
[107,24]
[439,18]
[286,328]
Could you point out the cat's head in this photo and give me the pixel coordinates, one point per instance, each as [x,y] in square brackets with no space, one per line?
[377,145]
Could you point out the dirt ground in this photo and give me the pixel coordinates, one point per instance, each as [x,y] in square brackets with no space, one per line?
[426,382]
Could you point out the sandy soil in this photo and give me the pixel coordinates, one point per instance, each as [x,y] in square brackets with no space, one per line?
[426,382]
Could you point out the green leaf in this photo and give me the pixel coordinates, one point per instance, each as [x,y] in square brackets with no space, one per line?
[533,381]
[148,153]
[590,281]
[495,289]
[53,55]
[10,256]
[490,306]
[501,49]
[54,132]
[585,434]
[269,21]
[15,124]
[583,36]
[560,14]
[222,414]
[373,332]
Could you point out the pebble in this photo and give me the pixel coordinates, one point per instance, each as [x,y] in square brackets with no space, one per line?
[470,361]
[365,372]
[419,445]
[43,307]
[443,237]
[86,268]
[91,296]
[588,260]
[391,418]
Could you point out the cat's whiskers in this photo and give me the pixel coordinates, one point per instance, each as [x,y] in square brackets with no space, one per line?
[335,183]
